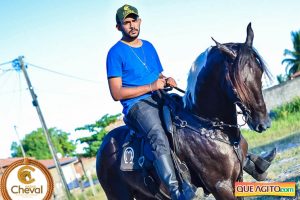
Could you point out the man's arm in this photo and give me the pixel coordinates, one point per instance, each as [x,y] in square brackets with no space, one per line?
[118,92]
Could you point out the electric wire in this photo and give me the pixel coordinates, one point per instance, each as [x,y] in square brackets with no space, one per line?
[63,74]
[5,79]
[20,104]
[5,63]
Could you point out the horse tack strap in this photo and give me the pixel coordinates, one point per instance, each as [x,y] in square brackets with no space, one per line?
[238,151]
[239,155]
[209,133]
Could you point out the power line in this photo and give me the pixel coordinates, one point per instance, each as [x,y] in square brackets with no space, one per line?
[5,79]
[5,63]
[63,74]
[6,70]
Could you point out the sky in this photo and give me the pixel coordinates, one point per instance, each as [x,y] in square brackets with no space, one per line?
[72,38]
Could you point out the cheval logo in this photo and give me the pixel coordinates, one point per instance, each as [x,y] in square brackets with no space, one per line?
[26,179]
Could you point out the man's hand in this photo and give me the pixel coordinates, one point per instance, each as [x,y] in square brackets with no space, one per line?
[171,82]
[158,84]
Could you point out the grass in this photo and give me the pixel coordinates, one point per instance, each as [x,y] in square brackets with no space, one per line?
[87,194]
[286,122]
[281,128]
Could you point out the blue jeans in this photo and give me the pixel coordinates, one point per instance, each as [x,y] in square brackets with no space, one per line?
[144,117]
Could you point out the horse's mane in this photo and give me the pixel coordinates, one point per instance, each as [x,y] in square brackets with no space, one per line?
[189,97]
[235,76]
[244,52]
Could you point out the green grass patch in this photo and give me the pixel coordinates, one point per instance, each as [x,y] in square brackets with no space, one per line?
[280,128]
[285,122]
[283,111]
[87,194]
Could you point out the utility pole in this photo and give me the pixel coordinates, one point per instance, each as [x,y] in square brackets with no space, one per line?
[23,152]
[39,112]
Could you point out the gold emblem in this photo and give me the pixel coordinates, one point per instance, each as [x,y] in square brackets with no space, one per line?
[27,178]
[24,174]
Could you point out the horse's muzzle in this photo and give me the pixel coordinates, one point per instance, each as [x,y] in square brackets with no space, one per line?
[260,127]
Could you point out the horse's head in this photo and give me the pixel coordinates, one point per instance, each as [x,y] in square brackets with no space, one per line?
[244,70]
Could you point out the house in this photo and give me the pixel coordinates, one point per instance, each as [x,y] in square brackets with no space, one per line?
[85,165]
[67,166]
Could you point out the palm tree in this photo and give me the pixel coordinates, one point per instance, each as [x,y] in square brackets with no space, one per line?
[293,62]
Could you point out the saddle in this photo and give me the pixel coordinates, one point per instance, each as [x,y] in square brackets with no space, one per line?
[136,153]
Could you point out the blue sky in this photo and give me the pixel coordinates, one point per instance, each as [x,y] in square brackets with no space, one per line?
[73,37]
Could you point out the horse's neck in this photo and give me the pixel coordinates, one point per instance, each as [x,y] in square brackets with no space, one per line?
[210,96]
[213,105]
[205,93]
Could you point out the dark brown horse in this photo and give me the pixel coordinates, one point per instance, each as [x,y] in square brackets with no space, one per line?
[224,76]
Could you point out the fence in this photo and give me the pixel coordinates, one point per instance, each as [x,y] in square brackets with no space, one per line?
[283,93]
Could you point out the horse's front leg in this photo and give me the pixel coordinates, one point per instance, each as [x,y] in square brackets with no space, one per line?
[244,146]
[223,190]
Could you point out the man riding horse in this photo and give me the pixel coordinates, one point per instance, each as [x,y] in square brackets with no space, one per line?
[134,75]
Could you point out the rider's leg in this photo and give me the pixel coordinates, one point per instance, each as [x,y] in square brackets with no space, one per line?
[145,116]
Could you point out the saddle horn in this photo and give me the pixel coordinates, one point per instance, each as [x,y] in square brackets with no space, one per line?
[225,49]
[250,35]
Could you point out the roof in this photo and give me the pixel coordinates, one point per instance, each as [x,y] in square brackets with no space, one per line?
[5,162]
[47,163]
[63,161]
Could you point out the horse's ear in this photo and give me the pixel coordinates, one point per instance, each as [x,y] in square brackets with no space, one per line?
[225,49]
[250,35]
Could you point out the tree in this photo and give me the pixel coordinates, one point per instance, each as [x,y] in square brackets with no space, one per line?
[293,62]
[282,78]
[98,129]
[35,144]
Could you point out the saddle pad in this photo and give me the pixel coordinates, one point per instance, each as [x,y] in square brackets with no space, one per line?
[132,155]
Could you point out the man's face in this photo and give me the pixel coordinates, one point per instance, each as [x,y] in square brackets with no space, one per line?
[130,27]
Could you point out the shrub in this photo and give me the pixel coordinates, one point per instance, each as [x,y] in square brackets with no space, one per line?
[286,109]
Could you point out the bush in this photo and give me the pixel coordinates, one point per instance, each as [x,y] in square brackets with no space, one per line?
[286,109]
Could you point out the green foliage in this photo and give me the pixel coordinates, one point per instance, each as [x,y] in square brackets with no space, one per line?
[282,78]
[35,144]
[98,129]
[286,109]
[293,60]
[285,122]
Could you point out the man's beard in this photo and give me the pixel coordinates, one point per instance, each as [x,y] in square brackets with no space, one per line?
[130,36]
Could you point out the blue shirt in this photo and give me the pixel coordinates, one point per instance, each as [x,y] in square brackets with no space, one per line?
[136,66]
